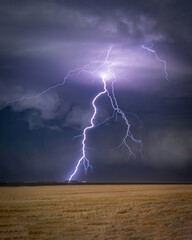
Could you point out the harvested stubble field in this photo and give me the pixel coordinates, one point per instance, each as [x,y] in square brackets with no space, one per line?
[96,212]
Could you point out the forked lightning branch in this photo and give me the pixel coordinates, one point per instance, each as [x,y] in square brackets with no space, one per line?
[108,79]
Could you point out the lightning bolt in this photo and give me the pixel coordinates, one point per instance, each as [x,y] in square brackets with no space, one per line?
[84,158]
[74,72]
[116,109]
[109,90]
[158,59]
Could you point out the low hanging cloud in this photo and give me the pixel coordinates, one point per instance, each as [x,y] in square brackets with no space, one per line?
[42,109]
[168,147]
[77,118]
[46,106]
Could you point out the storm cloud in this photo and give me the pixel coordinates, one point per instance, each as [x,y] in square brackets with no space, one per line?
[41,41]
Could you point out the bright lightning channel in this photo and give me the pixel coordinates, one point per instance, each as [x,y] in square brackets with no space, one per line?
[84,158]
[115,106]
[149,48]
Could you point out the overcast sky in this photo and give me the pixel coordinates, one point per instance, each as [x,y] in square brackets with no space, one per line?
[41,41]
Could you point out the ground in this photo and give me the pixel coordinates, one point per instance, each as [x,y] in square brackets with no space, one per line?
[96,212]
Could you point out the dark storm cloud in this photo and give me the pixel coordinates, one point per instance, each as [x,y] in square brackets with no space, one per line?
[64,35]
[40,41]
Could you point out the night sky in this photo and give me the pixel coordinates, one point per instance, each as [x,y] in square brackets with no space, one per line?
[40,41]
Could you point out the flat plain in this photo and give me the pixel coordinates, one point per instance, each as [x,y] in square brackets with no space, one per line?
[124,212]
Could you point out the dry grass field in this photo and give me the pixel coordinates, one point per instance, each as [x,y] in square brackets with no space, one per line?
[96,212]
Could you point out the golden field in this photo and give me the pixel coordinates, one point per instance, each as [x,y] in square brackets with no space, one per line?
[96,212]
